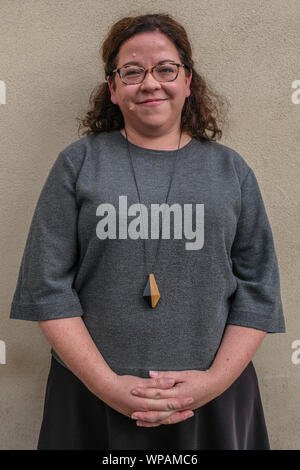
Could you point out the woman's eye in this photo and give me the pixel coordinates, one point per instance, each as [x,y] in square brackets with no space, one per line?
[132,72]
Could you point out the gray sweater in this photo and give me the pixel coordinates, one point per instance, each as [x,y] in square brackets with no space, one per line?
[217,263]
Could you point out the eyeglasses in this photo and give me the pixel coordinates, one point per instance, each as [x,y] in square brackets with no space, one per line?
[133,74]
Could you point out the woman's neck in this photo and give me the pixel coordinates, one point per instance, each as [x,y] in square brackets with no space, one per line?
[161,142]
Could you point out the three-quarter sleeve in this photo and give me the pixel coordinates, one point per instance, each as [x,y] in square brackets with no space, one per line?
[44,287]
[257,300]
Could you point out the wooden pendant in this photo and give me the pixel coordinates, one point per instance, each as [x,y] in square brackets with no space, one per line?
[151,292]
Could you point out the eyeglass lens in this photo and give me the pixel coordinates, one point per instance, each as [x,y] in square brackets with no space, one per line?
[133,74]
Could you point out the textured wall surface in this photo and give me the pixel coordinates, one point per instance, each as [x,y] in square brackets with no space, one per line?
[49,56]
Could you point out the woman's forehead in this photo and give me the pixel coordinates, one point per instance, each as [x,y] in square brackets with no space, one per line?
[148,47]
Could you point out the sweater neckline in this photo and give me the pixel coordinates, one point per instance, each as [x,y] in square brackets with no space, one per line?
[156,151]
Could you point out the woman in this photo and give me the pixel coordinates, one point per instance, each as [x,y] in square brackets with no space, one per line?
[190,297]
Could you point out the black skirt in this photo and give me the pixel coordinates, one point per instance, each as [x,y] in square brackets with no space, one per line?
[75,419]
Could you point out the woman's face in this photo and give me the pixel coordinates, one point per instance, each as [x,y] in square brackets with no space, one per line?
[147,49]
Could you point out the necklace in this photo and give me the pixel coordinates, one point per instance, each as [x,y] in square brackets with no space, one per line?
[151,293]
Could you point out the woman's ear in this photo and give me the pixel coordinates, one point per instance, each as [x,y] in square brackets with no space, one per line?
[188,84]
[113,96]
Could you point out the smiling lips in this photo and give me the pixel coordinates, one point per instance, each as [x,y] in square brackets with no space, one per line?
[152,102]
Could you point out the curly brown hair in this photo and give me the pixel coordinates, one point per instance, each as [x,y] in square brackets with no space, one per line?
[203,111]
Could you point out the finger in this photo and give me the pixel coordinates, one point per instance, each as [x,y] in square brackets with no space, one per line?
[147,425]
[153,418]
[156,393]
[168,404]
[153,415]
[175,417]
[177,376]
[159,374]
[178,416]
[161,382]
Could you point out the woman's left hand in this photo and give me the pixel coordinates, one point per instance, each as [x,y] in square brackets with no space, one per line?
[201,385]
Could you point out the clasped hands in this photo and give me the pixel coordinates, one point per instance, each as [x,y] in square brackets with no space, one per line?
[187,391]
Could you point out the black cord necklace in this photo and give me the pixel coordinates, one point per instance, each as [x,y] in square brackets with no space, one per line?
[151,293]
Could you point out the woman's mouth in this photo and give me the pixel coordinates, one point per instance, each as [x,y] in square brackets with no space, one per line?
[152,102]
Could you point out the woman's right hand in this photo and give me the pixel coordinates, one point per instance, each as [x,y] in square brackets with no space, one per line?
[119,397]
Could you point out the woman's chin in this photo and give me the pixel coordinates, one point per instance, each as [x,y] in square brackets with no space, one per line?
[154,122]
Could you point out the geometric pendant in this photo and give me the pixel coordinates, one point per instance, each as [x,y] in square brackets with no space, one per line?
[151,292]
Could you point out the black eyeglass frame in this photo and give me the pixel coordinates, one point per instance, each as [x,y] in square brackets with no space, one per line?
[146,71]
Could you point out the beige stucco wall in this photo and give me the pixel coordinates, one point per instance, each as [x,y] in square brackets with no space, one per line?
[249,51]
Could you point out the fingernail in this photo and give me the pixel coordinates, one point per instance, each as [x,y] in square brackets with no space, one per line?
[190,400]
[152,372]
[135,417]
[170,381]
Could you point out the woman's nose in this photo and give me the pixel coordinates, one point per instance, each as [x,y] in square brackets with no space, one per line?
[149,82]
